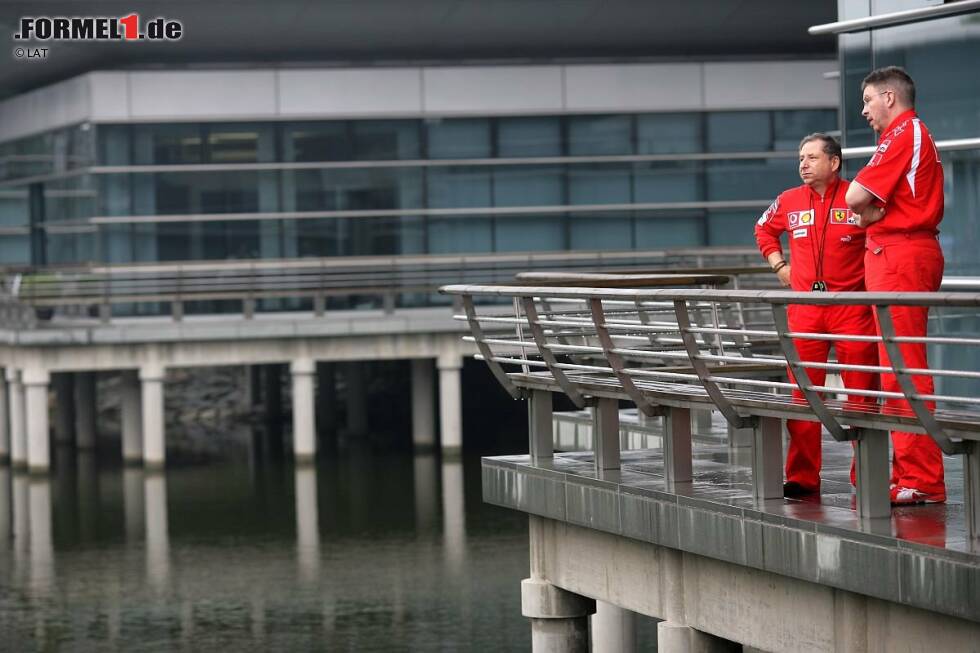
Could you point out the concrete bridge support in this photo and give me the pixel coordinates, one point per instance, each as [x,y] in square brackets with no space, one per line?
[18,425]
[85,410]
[36,381]
[450,404]
[154,447]
[423,405]
[4,419]
[613,629]
[64,408]
[559,618]
[131,417]
[303,371]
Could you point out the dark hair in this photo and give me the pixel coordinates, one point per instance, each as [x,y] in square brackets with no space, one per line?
[899,81]
[830,145]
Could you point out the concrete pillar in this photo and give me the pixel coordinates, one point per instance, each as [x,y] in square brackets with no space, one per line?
[304,420]
[154,447]
[357,412]
[559,618]
[423,405]
[18,425]
[64,408]
[36,382]
[702,420]
[85,410]
[307,524]
[677,638]
[131,414]
[4,419]
[450,404]
[613,629]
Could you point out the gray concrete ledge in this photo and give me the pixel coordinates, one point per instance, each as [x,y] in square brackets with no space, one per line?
[778,536]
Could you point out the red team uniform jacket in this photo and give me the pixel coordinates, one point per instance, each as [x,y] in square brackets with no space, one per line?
[906,175]
[815,226]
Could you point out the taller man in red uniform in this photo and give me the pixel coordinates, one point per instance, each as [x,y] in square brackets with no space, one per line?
[825,247]
[899,198]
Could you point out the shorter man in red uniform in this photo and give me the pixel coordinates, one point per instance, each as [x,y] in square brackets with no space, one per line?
[899,198]
[825,246]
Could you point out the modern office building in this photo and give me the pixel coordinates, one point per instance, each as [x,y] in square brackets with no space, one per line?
[608,129]
[938,43]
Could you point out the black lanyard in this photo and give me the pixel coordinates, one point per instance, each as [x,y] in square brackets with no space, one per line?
[818,254]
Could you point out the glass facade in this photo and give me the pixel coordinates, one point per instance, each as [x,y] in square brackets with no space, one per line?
[167,192]
[941,56]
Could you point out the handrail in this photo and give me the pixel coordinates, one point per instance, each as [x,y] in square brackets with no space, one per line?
[949,145]
[896,18]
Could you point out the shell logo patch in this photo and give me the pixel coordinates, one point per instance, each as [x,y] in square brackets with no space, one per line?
[800,219]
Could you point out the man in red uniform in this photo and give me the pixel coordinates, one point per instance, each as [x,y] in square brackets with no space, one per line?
[825,246]
[899,198]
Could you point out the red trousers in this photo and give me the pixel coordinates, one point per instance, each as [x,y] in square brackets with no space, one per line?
[803,459]
[912,265]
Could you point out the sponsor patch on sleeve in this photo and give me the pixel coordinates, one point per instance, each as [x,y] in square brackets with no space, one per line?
[800,233]
[800,219]
[768,213]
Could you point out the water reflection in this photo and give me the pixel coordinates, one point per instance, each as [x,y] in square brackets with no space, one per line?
[364,551]
[157,529]
[307,524]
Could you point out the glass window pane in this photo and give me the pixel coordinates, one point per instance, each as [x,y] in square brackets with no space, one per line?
[668,182]
[732,227]
[317,141]
[528,186]
[789,127]
[458,187]
[668,133]
[739,131]
[753,179]
[529,233]
[599,135]
[458,138]
[167,144]
[241,143]
[600,231]
[528,137]
[450,235]
[599,184]
[113,145]
[660,231]
[386,140]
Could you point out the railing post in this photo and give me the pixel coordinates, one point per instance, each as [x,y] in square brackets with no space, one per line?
[971,493]
[540,423]
[871,466]
[677,446]
[605,434]
[767,458]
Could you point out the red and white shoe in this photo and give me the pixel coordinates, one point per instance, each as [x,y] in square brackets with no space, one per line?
[908,496]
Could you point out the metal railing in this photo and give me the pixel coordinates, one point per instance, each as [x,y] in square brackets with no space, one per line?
[313,283]
[672,350]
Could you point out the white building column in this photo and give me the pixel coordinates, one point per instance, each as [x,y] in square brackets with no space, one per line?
[18,425]
[131,417]
[4,419]
[423,405]
[154,447]
[36,381]
[303,372]
[450,404]
[85,410]
[63,385]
